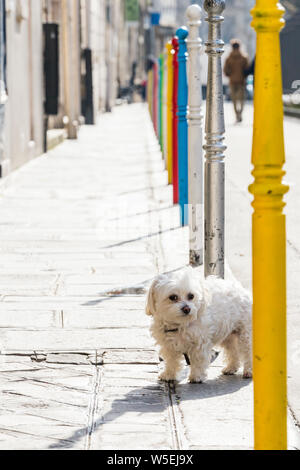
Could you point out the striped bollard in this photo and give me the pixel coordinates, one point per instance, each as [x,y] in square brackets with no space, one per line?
[182,34]
[169,80]
[175,45]
[269,234]
[214,179]
[155,99]
[195,137]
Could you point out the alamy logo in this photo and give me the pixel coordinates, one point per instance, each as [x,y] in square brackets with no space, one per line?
[294,97]
[296,86]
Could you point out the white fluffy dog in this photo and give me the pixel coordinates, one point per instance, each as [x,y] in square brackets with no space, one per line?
[191,316]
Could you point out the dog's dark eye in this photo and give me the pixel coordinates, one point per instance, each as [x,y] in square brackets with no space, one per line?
[173,298]
[190,296]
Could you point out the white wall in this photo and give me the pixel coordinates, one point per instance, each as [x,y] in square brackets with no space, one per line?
[24,110]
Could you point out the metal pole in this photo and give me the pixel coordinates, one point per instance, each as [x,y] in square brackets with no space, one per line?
[195,137]
[269,235]
[214,204]
[182,34]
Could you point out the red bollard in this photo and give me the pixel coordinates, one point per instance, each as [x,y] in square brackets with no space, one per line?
[155,97]
[175,44]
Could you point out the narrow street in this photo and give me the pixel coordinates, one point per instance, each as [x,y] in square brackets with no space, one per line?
[83,231]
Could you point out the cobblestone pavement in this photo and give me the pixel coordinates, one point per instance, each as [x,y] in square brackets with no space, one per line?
[83,231]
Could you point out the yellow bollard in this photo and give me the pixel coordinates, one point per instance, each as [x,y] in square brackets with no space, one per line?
[269,237]
[169,48]
[150,91]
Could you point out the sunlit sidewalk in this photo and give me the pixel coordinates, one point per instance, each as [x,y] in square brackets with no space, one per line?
[83,231]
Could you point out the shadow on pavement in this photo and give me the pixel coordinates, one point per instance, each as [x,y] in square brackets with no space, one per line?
[156,399]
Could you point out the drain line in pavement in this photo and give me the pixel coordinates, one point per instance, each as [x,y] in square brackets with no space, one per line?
[93,408]
[178,438]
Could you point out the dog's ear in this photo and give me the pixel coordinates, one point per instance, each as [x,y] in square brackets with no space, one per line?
[151,300]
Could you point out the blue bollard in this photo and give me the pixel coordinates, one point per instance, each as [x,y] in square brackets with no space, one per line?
[182,34]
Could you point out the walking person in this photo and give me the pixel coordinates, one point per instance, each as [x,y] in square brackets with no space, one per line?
[235,67]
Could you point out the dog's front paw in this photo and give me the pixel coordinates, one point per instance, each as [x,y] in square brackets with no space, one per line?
[247,374]
[229,370]
[166,376]
[197,378]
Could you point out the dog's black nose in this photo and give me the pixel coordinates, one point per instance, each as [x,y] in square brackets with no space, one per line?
[186,310]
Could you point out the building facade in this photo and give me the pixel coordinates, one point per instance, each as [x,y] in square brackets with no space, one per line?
[94,43]
[3,82]
[23,121]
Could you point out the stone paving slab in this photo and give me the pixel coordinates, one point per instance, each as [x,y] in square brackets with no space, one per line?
[121,301]
[102,319]
[84,318]
[42,406]
[234,428]
[29,319]
[134,408]
[73,339]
